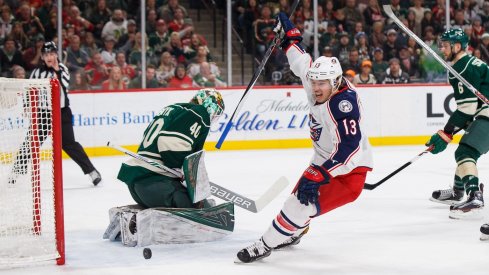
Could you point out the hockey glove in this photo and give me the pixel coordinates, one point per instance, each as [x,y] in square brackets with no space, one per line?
[309,183]
[287,31]
[439,141]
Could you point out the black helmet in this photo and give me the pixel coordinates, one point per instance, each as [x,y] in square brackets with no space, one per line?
[49,47]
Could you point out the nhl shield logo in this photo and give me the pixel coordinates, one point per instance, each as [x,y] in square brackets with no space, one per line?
[317,65]
[345,106]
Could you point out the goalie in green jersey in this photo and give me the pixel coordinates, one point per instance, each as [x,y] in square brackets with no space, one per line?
[472,115]
[166,210]
[177,131]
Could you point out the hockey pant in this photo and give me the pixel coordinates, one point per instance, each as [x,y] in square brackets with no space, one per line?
[295,217]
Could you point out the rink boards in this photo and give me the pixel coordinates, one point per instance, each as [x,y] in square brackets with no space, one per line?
[275,117]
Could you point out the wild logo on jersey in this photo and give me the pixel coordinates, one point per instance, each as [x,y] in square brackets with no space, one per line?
[315,128]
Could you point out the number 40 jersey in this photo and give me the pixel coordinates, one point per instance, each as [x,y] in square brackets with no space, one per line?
[175,132]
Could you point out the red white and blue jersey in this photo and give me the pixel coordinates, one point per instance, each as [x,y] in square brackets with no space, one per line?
[337,132]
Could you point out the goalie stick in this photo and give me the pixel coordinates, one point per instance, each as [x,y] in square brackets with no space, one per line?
[252,82]
[388,10]
[254,206]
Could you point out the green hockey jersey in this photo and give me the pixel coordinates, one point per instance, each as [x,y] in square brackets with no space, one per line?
[476,72]
[175,132]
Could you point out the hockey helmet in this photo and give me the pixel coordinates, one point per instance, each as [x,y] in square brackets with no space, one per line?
[49,47]
[212,100]
[455,35]
[326,68]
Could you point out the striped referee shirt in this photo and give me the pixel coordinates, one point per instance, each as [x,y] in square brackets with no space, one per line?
[64,79]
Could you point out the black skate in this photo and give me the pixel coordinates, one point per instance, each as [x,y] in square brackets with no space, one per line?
[450,196]
[294,240]
[485,232]
[95,177]
[470,209]
[256,251]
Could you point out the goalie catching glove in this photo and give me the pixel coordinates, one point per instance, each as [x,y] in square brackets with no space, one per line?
[309,183]
[439,141]
[286,30]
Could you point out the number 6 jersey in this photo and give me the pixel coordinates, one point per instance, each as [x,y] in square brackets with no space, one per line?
[337,132]
[175,132]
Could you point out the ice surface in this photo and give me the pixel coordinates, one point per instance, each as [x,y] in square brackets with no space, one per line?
[393,229]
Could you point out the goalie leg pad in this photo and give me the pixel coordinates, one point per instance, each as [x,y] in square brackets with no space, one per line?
[113,231]
[178,225]
[292,219]
[129,228]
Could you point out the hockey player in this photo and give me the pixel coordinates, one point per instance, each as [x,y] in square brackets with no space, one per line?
[472,115]
[176,132]
[342,154]
[51,67]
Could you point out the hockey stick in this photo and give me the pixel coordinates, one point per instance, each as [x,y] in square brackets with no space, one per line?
[388,10]
[373,186]
[252,83]
[254,206]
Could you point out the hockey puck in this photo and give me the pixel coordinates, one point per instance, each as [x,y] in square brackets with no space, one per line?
[147,253]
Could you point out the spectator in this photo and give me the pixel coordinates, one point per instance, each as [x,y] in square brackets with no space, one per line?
[379,65]
[191,51]
[180,23]
[151,21]
[201,57]
[398,10]
[353,62]
[264,31]
[477,29]
[22,41]
[365,77]
[176,49]
[115,81]
[439,11]
[116,27]
[10,56]
[418,11]
[89,44]
[108,53]
[32,55]
[431,69]
[80,81]
[99,16]
[30,23]
[18,72]
[135,55]
[76,57]
[342,50]
[80,24]
[128,71]
[166,69]
[249,13]
[6,19]
[372,14]
[97,71]
[377,37]
[390,47]
[394,74]
[205,78]
[350,75]
[484,47]
[167,12]
[484,14]
[409,64]
[180,79]
[43,12]
[352,15]
[429,21]
[159,38]
[51,27]
[459,20]
[151,81]
[340,20]
[477,53]
[126,41]
[362,46]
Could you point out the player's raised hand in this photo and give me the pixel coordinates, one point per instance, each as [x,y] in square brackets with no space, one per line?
[439,141]
[287,31]
[312,178]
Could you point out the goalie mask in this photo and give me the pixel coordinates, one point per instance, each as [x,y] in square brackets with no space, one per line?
[212,100]
[326,68]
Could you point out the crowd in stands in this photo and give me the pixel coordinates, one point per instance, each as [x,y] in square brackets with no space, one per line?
[370,47]
[101,42]
[102,39]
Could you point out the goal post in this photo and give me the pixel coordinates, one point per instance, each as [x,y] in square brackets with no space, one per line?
[31,188]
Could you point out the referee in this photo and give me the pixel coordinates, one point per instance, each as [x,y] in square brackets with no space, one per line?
[51,68]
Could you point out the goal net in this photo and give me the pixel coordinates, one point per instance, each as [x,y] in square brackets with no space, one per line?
[31,198]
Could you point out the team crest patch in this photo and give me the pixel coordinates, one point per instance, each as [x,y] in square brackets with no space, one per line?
[345,106]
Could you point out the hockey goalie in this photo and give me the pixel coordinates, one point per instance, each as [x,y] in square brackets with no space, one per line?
[172,209]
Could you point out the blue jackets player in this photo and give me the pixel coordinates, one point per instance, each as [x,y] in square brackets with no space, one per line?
[342,155]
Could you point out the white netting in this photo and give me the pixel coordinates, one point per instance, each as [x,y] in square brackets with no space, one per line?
[27,219]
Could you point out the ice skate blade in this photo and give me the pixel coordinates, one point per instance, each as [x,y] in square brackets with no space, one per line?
[484,237]
[444,202]
[472,215]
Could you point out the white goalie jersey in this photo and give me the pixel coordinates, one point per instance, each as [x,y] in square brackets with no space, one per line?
[336,128]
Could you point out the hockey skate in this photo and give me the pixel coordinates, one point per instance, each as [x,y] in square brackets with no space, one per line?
[485,232]
[256,251]
[294,240]
[95,177]
[450,196]
[470,209]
